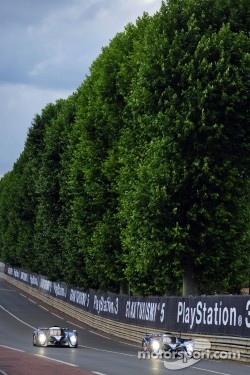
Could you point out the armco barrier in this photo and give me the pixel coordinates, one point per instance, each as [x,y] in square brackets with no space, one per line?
[216,315]
[130,332]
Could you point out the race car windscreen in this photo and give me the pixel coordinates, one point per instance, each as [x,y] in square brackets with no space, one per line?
[55,332]
[169,339]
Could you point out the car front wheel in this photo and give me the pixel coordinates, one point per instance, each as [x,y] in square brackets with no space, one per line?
[145,347]
[34,341]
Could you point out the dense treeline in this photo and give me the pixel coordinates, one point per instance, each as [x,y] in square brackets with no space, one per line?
[141,177]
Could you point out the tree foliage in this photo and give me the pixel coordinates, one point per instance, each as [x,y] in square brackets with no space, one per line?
[142,175]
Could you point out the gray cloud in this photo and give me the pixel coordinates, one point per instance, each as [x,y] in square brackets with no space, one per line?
[47,47]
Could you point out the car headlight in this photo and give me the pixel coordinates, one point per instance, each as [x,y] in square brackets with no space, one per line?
[155,345]
[73,340]
[42,338]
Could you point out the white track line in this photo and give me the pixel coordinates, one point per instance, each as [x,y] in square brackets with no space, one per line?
[14,316]
[9,347]
[56,360]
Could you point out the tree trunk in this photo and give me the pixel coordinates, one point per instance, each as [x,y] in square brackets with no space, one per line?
[124,287]
[190,285]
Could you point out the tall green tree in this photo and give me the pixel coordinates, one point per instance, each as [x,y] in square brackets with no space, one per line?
[47,229]
[8,221]
[19,201]
[142,175]
[185,175]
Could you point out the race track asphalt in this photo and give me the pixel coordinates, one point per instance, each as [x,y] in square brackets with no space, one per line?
[98,353]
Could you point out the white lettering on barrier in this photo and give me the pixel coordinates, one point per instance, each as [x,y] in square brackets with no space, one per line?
[78,297]
[46,285]
[106,305]
[10,271]
[247,319]
[24,276]
[200,314]
[144,310]
[16,273]
[34,280]
[59,290]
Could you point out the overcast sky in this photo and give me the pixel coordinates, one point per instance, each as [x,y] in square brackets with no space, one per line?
[47,47]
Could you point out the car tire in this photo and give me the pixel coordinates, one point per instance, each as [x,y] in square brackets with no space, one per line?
[145,346]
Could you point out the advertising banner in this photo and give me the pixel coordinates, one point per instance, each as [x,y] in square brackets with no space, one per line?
[214,315]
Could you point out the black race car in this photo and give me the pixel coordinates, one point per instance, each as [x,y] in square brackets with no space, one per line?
[167,342]
[55,336]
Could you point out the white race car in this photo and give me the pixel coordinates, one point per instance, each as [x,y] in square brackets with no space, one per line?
[55,336]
